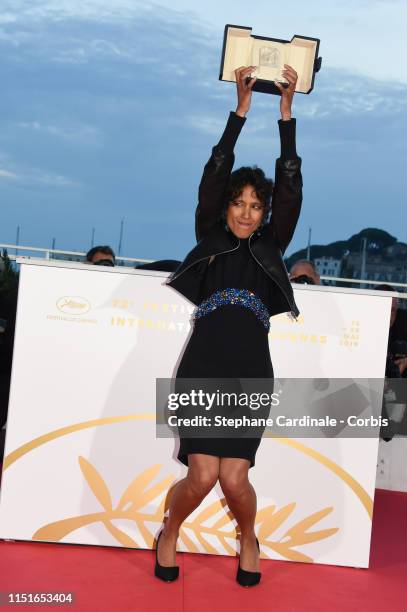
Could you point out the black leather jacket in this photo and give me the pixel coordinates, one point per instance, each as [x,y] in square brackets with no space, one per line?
[267,244]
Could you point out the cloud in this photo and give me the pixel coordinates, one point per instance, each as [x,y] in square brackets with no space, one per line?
[162,43]
[35,176]
[338,96]
[340,93]
[367,38]
[209,124]
[48,10]
[7,18]
[51,180]
[81,51]
[98,11]
[80,133]
[340,24]
[7,174]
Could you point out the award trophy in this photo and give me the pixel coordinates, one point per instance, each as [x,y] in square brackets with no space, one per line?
[241,48]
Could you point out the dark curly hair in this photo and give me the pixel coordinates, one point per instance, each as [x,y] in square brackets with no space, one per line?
[249,175]
[105,249]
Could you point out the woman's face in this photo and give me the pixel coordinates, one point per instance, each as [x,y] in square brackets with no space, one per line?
[245,213]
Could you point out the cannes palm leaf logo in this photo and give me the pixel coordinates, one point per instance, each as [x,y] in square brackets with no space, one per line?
[207,525]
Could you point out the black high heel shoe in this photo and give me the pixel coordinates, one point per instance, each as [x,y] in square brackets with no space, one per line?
[168,574]
[245,578]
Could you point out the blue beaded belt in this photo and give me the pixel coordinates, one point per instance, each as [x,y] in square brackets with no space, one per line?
[240,297]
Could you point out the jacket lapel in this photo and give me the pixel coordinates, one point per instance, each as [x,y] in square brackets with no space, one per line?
[217,241]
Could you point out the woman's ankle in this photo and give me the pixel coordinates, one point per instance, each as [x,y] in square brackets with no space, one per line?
[170,531]
[248,537]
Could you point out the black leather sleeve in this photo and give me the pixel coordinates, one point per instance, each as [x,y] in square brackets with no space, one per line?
[286,201]
[215,178]
[287,193]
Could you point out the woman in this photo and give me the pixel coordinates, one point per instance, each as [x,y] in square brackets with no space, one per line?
[237,276]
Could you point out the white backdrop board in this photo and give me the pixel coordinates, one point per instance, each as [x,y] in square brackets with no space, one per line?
[82,461]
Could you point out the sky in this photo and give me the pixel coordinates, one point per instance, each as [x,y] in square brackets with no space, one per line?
[109,110]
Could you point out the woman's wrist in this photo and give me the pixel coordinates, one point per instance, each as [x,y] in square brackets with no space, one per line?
[240,112]
[286,115]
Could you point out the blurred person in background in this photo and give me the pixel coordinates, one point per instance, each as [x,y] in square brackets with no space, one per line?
[394,396]
[397,345]
[101,256]
[304,272]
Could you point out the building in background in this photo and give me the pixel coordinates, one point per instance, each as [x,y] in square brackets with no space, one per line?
[371,255]
[328,266]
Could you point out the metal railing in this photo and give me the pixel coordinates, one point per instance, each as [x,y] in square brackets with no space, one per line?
[26,251]
[360,281]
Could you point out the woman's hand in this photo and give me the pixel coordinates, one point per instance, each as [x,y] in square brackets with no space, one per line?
[244,89]
[287,93]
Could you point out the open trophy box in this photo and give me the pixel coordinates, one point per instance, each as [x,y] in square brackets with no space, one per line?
[241,48]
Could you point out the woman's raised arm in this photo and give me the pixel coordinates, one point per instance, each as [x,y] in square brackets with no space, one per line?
[219,166]
[287,194]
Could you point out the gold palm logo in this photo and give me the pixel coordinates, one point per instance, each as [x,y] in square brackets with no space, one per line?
[139,493]
[73,305]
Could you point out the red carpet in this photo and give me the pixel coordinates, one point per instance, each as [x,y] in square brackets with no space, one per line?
[120,579]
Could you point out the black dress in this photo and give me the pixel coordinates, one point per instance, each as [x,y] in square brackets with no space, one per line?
[229,342]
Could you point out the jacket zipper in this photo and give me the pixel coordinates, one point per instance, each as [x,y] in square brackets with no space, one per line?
[254,257]
[272,278]
[202,259]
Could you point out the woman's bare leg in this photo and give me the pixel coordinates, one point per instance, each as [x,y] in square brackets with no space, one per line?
[242,501]
[203,473]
